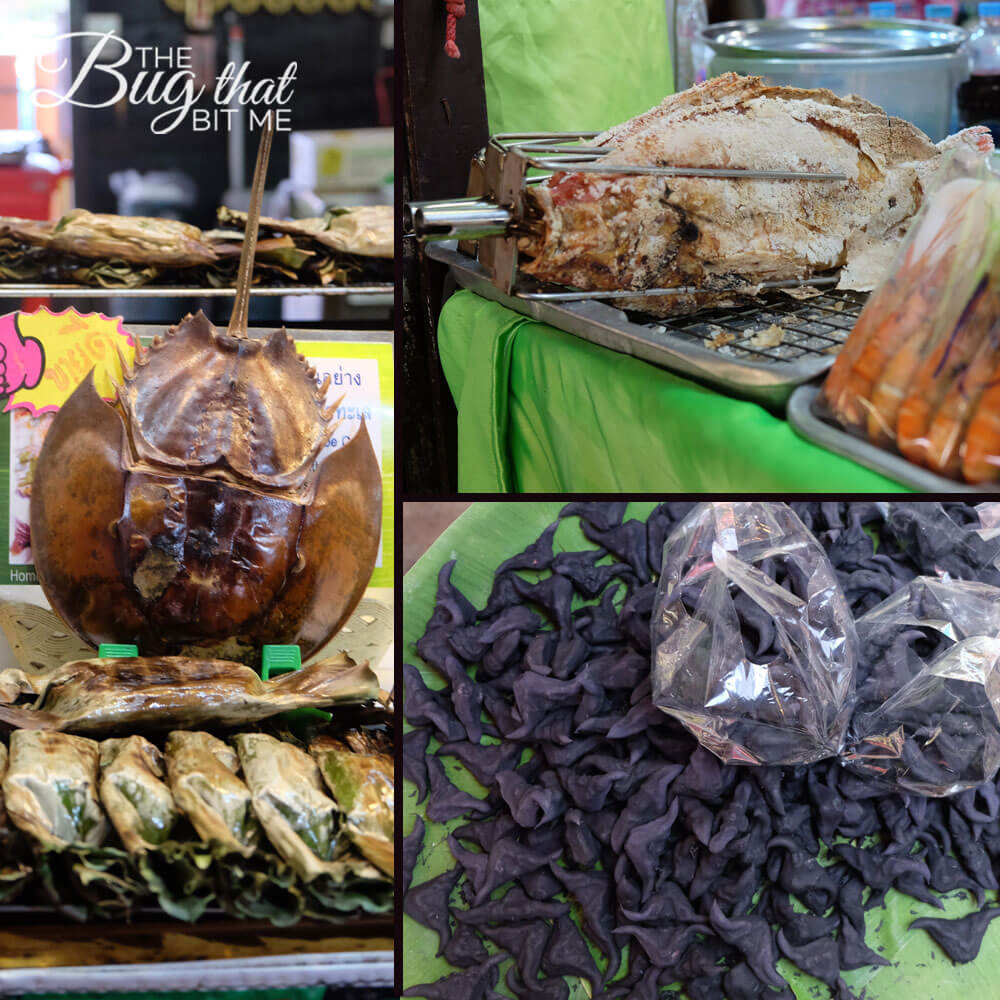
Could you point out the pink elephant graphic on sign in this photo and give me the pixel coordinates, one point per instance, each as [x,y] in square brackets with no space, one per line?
[22,359]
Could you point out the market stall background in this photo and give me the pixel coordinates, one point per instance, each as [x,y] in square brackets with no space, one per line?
[502,403]
[344,83]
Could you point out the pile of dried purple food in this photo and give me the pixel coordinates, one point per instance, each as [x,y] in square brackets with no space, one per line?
[708,872]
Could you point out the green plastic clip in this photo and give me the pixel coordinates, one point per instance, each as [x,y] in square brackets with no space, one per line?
[117,650]
[276,660]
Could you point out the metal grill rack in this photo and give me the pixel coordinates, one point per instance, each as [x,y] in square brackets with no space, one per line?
[63,291]
[812,328]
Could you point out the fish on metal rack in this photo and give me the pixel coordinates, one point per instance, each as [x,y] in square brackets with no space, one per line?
[595,231]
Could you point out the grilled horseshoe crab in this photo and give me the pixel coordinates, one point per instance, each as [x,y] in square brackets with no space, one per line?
[194,515]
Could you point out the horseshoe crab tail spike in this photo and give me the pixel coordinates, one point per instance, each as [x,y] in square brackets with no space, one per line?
[241,307]
[128,372]
[328,413]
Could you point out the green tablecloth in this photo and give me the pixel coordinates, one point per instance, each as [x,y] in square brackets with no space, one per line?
[480,540]
[542,411]
[567,65]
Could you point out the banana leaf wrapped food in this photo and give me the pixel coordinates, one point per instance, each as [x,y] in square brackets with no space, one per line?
[115,251]
[137,800]
[301,822]
[13,872]
[101,695]
[342,246]
[132,238]
[202,773]
[361,781]
[192,841]
[299,818]
[50,789]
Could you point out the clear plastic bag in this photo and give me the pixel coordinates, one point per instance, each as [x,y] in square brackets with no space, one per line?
[754,644]
[959,541]
[928,688]
[919,372]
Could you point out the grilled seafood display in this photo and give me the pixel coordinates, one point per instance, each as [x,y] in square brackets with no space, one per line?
[345,246]
[100,696]
[199,513]
[919,371]
[611,232]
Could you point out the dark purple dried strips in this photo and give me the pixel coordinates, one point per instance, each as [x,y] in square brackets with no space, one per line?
[961,938]
[473,984]
[446,801]
[427,903]
[412,844]
[656,843]
[415,760]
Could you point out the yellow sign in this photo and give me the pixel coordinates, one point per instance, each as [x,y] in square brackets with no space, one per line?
[44,356]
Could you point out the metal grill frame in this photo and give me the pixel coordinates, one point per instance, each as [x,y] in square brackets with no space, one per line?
[678,343]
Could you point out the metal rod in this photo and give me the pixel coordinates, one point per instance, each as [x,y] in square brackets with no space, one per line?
[649,292]
[469,219]
[545,163]
[165,292]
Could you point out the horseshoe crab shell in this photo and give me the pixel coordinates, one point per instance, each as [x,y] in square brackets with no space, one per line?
[195,514]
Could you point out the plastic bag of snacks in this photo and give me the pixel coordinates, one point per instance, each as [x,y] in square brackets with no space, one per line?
[928,688]
[754,643]
[958,540]
[920,372]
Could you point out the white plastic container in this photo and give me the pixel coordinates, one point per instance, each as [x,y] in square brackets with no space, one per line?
[341,160]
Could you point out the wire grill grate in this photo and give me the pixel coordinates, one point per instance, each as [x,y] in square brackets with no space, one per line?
[806,328]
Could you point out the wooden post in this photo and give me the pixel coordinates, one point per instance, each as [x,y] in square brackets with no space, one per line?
[444,112]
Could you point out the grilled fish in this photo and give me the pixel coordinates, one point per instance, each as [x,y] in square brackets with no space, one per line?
[596,232]
[98,696]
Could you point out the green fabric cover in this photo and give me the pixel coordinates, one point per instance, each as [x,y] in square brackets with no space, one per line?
[572,65]
[543,411]
[480,540]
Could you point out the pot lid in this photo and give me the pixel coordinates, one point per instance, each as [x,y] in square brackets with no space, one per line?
[832,38]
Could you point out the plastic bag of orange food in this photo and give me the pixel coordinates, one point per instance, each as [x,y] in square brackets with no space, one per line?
[920,372]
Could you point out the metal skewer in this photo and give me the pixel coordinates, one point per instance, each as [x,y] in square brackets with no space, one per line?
[491,213]
[570,296]
[244,279]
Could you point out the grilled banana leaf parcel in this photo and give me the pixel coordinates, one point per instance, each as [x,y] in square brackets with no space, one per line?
[51,789]
[362,784]
[101,695]
[367,230]
[299,818]
[132,238]
[13,873]
[137,800]
[202,772]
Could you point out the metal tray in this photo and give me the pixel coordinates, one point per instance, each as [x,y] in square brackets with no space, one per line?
[29,290]
[815,330]
[809,426]
[372,968]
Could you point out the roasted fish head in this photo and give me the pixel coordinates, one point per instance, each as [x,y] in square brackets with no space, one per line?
[196,513]
[725,236]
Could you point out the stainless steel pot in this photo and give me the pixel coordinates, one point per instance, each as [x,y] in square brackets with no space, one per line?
[910,68]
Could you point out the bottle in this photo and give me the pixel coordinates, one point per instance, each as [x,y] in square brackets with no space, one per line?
[882,8]
[979,96]
[691,63]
